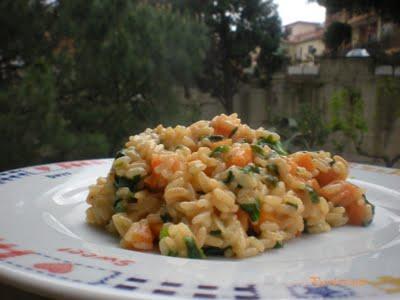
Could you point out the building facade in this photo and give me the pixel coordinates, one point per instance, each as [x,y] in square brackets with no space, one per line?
[304,41]
[368,28]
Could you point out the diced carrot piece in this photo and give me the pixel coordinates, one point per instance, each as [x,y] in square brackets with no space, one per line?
[140,236]
[240,156]
[292,167]
[155,181]
[223,128]
[243,218]
[155,161]
[356,213]
[177,165]
[224,125]
[265,216]
[209,170]
[156,228]
[347,194]
[325,178]
[305,160]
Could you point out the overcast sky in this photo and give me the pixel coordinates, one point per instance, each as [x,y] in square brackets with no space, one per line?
[300,10]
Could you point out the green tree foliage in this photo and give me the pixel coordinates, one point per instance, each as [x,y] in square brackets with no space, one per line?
[337,35]
[388,9]
[306,129]
[130,55]
[97,72]
[22,35]
[236,28]
[348,114]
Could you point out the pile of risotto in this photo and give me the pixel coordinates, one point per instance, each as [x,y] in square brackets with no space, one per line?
[221,188]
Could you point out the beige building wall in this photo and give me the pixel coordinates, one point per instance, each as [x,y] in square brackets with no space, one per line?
[286,93]
[300,51]
[302,37]
[298,28]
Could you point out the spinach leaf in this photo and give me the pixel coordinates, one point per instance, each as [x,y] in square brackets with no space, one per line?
[229,178]
[216,232]
[214,251]
[366,223]
[273,169]
[166,217]
[132,199]
[121,182]
[272,180]
[215,138]
[258,150]
[220,149]
[252,209]
[313,194]
[292,204]
[163,233]
[119,206]
[234,130]
[172,253]
[305,230]
[275,145]
[120,153]
[192,249]
[251,169]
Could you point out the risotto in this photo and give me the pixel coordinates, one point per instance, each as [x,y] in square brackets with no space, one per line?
[221,188]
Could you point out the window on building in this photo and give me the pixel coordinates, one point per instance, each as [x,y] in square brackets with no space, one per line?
[311,49]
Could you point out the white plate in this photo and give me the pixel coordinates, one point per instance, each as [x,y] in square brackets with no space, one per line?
[46,247]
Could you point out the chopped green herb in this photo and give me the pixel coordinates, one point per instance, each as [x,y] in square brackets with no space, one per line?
[216,232]
[292,204]
[132,200]
[234,130]
[121,182]
[332,162]
[273,169]
[272,180]
[119,206]
[166,217]
[366,223]
[269,140]
[239,186]
[163,233]
[251,232]
[252,209]
[219,150]
[251,169]
[258,150]
[120,153]
[305,230]
[313,194]
[172,253]
[367,202]
[278,245]
[214,251]
[275,145]
[192,250]
[215,138]
[229,178]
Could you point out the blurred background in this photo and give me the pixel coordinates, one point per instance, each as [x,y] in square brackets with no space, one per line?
[78,77]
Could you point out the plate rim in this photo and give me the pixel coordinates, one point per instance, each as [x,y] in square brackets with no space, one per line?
[56,287]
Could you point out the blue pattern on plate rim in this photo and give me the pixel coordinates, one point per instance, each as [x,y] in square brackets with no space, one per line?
[323,291]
